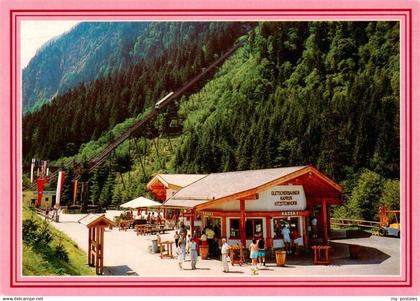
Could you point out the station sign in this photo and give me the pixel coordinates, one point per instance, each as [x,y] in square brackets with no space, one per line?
[276,198]
[284,198]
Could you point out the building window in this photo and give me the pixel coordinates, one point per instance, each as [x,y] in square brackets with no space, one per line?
[279,223]
[234,228]
[254,228]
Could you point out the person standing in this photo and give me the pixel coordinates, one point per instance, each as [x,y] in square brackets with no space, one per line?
[193,253]
[293,237]
[203,239]
[314,227]
[182,248]
[225,255]
[253,249]
[183,230]
[188,240]
[176,238]
[210,239]
[261,251]
[286,238]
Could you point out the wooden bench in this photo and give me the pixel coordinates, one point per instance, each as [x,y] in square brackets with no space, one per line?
[158,229]
[141,229]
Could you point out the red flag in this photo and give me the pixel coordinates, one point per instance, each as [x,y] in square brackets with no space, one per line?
[40,186]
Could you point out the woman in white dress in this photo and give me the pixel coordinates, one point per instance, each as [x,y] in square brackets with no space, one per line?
[182,249]
[225,255]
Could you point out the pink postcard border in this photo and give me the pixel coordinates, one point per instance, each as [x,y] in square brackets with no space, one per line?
[237,286]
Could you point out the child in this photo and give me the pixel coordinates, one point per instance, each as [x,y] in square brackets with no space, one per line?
[188,239]
[193,253]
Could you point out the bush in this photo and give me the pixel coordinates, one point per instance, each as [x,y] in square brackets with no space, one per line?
[35,234]
[44,236]
[60,252]
[29,231]
[390,197]
[364,200]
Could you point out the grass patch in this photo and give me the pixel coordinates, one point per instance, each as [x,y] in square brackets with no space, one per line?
[49,252]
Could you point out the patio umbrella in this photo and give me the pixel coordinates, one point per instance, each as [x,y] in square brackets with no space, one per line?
[141,202]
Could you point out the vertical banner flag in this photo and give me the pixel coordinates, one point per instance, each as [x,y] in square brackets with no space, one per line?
[40,186]
[32,170]
[60,183]
[74,191]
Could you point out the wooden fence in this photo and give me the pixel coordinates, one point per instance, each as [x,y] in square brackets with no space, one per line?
[344,223]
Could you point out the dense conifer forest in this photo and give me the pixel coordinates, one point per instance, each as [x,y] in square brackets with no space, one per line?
[296,93]
[167,56]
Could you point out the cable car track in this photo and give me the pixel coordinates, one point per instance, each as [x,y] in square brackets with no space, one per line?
[98,159]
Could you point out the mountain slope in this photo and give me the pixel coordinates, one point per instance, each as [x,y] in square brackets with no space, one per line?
[300,93]
[173,54]
[88,51]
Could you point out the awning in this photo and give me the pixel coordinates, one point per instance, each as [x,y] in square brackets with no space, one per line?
[141,202]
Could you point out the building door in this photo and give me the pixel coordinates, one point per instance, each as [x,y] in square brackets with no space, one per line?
[216,224]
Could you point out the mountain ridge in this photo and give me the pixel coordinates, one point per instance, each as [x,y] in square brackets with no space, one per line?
[82,54]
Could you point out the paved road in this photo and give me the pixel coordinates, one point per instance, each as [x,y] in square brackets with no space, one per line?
[125,251]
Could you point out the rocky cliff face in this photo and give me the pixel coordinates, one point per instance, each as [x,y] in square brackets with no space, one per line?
[88,51]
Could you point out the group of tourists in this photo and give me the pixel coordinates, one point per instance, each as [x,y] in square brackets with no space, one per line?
[185,244]
[153,219]
[188,245]
[288,233]
[257,252]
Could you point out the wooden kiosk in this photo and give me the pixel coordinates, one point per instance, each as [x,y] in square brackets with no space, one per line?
[255,204]
[96,226]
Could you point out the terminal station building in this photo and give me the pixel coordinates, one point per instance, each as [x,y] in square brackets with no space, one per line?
[246,205]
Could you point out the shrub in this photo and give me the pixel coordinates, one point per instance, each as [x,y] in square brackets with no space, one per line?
[44,236]
[60,252]
[29,230]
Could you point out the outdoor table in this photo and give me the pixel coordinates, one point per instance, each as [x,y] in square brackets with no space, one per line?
[236,254]
[147,229]
[158,229]
[139,221]
[168,250]
[321,254]
[141,229]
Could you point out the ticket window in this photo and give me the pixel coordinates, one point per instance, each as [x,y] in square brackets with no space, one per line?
[294,225]
[234,228]
[254,228]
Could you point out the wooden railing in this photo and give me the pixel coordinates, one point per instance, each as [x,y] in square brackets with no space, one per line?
[343,223]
